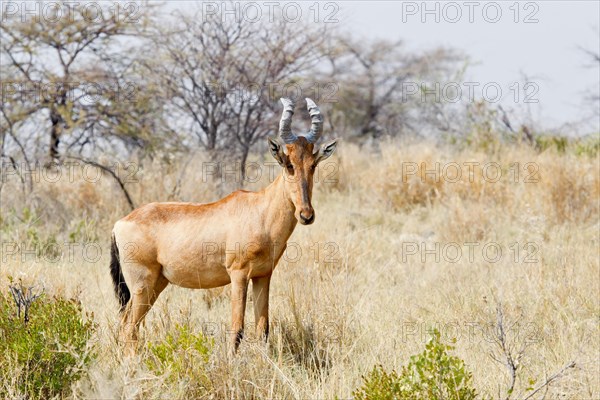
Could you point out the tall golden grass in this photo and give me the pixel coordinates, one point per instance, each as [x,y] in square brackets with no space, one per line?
[394,252]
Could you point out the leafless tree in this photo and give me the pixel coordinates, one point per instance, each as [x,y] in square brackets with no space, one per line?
[222,78]
[67,77]
[373,77]
[594,57]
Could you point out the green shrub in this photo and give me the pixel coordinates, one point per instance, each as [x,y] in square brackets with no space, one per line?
[183,357]
[558,143]
[588,146]
[83,231]
[432,374]
[43,356]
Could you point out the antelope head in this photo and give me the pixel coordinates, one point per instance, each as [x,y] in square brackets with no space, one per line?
[299,158]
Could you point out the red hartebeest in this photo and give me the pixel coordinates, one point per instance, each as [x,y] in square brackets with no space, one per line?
[234,240]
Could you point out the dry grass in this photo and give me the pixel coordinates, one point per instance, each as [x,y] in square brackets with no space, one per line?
[358,295]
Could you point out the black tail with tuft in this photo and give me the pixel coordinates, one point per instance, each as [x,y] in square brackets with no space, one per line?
[121,289]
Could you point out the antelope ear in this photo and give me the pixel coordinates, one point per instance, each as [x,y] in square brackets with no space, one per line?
[276,151]
[326,150]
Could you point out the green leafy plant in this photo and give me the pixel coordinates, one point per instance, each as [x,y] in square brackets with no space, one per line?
[588,146]
[433,374]
[558,143]
[47,352]
[183,356]
[83,231]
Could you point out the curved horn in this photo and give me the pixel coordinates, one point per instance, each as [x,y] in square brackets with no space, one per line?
[285,125]
[316,127]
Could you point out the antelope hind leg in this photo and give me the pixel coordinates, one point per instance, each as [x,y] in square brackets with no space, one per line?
[143,294]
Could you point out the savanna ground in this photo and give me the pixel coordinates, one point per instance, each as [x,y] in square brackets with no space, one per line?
[393,253]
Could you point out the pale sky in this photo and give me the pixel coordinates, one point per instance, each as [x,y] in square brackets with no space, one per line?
[548,51]
[546,48]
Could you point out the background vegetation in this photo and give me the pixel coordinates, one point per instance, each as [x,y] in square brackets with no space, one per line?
[354,297]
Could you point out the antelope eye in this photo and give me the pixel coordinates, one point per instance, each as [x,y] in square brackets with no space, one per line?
[290,167]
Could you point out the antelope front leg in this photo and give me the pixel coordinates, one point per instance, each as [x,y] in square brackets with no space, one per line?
[239,286]
[260,291]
